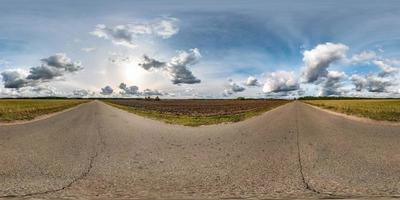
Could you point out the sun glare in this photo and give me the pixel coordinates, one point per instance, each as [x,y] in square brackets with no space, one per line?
[133,73]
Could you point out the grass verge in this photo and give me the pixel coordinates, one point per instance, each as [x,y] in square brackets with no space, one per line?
[27,109]
[195,120]
[376,109]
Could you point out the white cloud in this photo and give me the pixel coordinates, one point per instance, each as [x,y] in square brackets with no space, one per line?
[232,88]
[385,67]
[32,91]
[88,49]
[385,81]
[317,60]
[177,67]
[280,81]
[127,35]
[364,56]
[149,92]
[252,81]
[82,93]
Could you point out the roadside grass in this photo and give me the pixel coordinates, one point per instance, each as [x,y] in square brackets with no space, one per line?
[27,109]
[194,121]
[376,109]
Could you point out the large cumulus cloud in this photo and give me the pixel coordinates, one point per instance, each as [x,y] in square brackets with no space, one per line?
[127,35]
[280,81]
[177,67]
[317,60]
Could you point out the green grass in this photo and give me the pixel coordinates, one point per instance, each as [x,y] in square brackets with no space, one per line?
[377,109]
[196,120]
[27,109]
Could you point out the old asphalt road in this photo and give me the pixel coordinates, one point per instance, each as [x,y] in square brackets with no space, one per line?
[295,151]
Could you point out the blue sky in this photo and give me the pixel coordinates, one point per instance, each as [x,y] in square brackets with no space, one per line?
[199,49]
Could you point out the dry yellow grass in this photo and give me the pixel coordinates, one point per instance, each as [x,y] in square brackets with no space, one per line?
[26,109]
[379,109]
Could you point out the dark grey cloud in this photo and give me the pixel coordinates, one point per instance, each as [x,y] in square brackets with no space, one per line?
[150,63]
[13,79]
[44,73]
[52,67]
[131,90]
[177,67]
[61,61]
[371,83]
[107,90]
[317,60]
[380,82]
[332,84]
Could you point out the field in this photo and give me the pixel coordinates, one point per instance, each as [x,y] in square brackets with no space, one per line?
[197,112]
[377,109]
[26,109]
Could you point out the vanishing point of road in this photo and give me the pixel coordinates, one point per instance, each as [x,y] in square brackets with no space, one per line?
[95,151]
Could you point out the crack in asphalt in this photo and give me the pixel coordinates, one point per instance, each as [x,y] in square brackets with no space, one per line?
[81,177]
[305,183]
[312,189]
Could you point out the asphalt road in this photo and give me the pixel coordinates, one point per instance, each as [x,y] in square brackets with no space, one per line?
[295,151]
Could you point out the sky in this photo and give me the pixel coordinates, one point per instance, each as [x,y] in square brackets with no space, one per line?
[199,49]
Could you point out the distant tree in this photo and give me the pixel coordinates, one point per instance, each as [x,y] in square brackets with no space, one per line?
[157,98]
[240,98]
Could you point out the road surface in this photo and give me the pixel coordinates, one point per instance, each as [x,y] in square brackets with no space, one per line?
[295,151]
